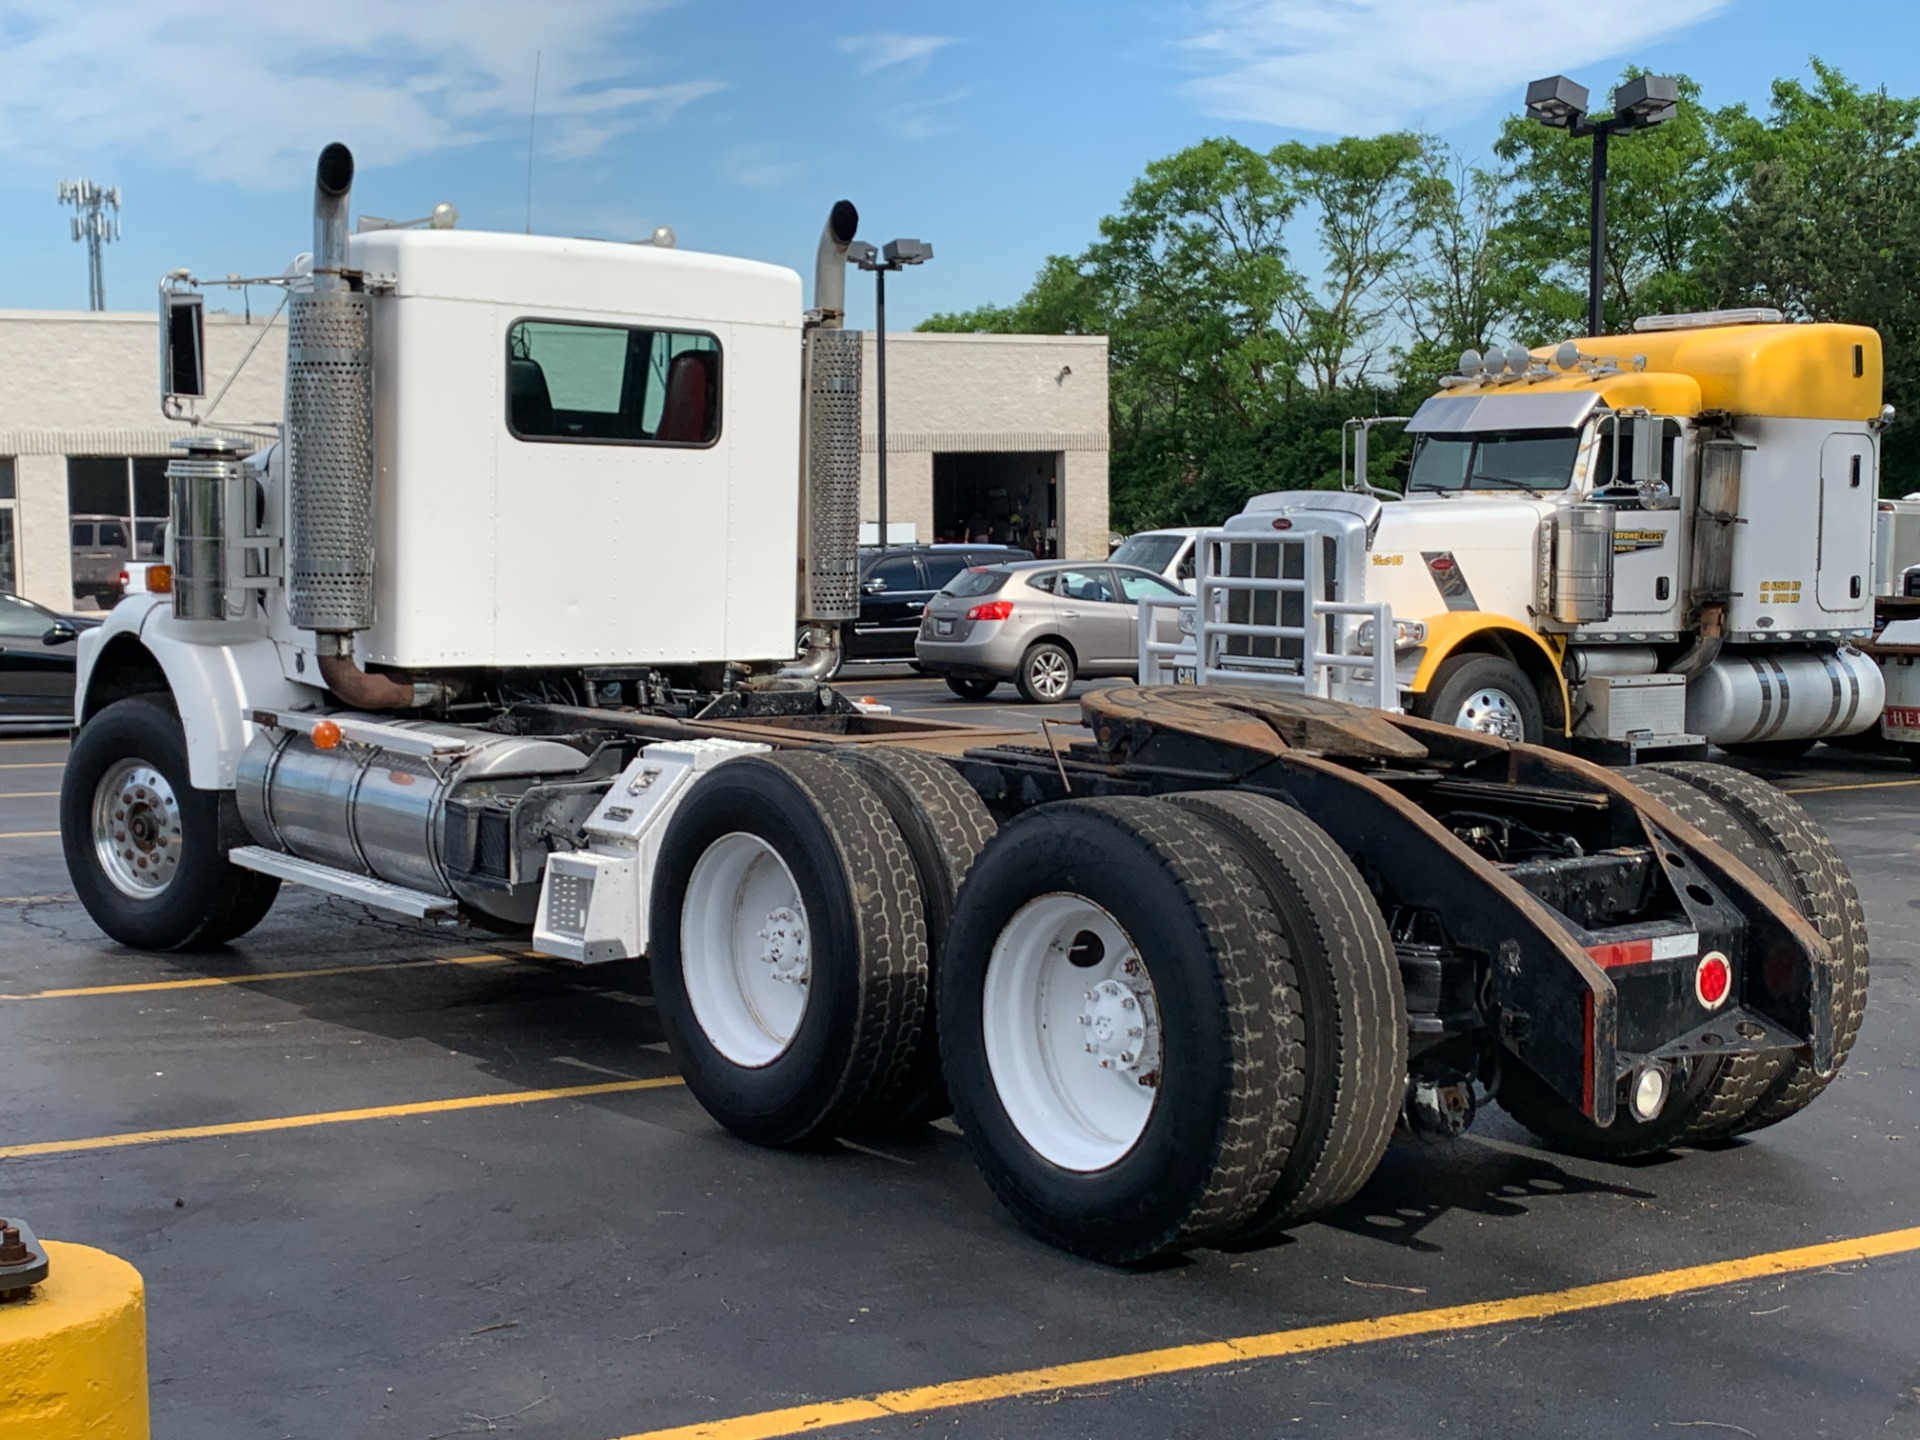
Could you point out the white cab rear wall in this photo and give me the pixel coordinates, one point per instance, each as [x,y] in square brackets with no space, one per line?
[492,550]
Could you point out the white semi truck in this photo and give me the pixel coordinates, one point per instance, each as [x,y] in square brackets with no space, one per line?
[499,631]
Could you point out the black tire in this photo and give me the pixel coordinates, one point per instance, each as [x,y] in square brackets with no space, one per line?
[971,689]
[1352,1000]
[1227,1091]
[209,901]
[945,825]
[1779,751]
[867,993]
[1781,832]
[1459,681]
[1041,670]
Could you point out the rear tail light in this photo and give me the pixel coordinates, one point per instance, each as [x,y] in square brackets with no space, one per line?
[992,610]
[1712,980]
[125,579]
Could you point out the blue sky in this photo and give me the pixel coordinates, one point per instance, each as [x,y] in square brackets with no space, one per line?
[999,131]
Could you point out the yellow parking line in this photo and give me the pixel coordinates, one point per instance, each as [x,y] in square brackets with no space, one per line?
[1862,785]
[203,982]
[28,834]
[29,794]
[34,765]
[1209,1355]
[332,1117]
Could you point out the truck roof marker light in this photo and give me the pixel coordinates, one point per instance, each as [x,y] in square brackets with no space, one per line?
[1713,980]
[1567,356]
[326,735]
[1471,363]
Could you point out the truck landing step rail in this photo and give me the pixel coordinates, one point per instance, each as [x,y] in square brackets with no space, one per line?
[417,904]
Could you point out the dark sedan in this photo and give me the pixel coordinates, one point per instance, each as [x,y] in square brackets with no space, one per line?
[37,653]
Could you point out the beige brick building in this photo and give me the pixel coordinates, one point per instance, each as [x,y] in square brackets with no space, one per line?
[1005,435]
[1005,432]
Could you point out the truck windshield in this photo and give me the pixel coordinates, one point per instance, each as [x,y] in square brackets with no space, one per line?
[1519,460]
[1149,551]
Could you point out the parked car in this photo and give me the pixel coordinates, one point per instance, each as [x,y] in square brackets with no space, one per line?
[102,548]
[895,585]
[36,664]
[1041,624]
[1168,553]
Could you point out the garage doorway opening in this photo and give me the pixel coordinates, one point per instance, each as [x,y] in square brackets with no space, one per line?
[998,497]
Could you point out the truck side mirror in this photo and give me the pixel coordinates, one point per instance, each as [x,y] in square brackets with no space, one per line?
[183,348]
[1646,451]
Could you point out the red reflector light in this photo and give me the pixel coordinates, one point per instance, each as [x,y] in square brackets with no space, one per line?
[992,610]
[1624,952]
[1442,563]
[1713,980]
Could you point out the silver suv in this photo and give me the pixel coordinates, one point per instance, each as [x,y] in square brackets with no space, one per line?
[1041,624]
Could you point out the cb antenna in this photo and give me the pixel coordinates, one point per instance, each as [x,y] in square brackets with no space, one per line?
[533,114]
[96,219]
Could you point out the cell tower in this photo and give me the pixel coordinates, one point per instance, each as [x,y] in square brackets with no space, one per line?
[96,220]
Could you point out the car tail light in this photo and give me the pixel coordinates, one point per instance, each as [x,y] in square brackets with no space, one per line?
[992,610]
[125,578]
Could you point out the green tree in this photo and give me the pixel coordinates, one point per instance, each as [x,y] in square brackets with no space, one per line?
[1827,227]
[1465,288]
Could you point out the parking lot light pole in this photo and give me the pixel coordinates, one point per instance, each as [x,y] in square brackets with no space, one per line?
[894,255]
[1640,104]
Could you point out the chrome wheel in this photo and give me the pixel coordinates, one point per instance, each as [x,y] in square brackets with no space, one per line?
[136,829]
[1072,1032]
[745,948]
[1049,674]
[1492,711]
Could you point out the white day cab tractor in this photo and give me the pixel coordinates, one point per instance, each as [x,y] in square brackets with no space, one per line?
[433,651]
[1634,544]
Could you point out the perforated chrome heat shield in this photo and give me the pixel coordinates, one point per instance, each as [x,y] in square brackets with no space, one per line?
[830,532]
[330,461]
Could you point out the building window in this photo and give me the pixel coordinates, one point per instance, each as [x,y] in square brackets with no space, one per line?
[9,528]
[128,488]
[611,384]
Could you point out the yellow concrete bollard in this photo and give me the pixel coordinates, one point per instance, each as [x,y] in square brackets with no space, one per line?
[73,1354]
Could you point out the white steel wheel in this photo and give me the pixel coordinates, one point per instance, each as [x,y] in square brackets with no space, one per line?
[746,949]
[1071,1032]
[136,829]
[1492,711]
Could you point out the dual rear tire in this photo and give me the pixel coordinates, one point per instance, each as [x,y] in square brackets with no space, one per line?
[1160,1024]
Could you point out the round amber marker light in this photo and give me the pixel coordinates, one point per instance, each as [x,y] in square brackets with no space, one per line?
[326,735]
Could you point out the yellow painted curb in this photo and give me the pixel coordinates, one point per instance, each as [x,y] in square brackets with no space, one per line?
[73,1355]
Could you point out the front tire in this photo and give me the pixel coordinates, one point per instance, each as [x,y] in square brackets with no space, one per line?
[1486,694]
[147,852]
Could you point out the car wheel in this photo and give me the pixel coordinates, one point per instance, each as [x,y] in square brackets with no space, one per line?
[1046,673]
[971,689]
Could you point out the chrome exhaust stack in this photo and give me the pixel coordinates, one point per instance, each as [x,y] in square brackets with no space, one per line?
[330,455]
[830,456]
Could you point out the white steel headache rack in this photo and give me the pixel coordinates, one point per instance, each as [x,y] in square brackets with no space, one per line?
[1264,613]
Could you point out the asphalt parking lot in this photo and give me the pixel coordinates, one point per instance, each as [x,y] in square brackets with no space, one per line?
[387,1180]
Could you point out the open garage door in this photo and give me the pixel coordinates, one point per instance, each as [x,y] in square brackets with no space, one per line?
[998,497]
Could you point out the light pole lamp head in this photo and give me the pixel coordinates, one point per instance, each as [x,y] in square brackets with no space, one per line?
[906,252]
[1556,101]
[1647,100]
[860,253]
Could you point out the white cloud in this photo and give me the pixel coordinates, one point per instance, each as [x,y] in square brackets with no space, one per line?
[759,167]
[880,52]
[246,92]
[1366,66]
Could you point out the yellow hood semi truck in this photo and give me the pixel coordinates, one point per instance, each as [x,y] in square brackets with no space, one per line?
[1636,543]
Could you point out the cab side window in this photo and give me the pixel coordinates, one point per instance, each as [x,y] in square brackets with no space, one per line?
[612,384]
[1617,438]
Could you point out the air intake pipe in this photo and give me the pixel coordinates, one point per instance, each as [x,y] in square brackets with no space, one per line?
[330,455]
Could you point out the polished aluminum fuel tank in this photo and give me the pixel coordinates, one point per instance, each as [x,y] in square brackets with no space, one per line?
[375,810]
[1582,589]
[1753,694]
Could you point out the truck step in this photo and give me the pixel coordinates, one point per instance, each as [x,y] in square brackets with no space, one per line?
[417,904]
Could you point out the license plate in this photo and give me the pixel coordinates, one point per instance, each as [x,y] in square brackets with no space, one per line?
[1183,675]
[943,627]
